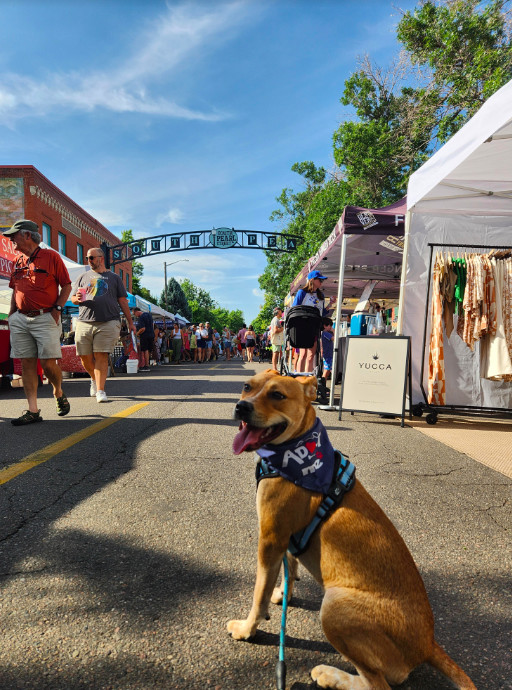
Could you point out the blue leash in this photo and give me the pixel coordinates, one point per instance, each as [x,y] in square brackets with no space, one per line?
[281,665]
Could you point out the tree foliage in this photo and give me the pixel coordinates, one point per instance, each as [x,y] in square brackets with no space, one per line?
[137,267]
[466,44]
[204,308]
[311,213]
[456,53]
[175,300]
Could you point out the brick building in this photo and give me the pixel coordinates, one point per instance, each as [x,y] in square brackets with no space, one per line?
[64,225]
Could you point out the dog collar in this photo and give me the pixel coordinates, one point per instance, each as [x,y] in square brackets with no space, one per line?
[307,461]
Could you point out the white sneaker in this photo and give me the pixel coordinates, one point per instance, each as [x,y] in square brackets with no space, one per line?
[101,396]
[92,389]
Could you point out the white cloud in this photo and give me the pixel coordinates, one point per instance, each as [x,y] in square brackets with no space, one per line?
[257,293]
[165,44]
[173,215]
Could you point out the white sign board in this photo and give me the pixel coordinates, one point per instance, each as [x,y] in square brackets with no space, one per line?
[375,374]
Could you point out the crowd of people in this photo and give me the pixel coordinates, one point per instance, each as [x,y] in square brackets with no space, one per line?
[177,343]
[41,286]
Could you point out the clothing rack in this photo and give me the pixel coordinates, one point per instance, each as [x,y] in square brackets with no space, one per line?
[466,410]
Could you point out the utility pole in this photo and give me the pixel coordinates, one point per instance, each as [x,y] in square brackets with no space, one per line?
[165,278]
[165,287]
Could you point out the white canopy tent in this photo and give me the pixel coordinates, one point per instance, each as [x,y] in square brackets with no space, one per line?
[158,312]
[462,196]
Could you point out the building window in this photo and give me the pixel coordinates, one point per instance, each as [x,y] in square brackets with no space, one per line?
[62,244]
[121,273]
[127,282]
[47,234]
[80,253]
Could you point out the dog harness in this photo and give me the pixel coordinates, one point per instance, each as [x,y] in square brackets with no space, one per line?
[342,481]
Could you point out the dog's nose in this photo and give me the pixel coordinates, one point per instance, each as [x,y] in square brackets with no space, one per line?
[243,410]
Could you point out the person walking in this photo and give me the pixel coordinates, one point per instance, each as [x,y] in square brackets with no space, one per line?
[101,296]
[209,341]
[277,337]
[241,339]
[144,330]
[176,342]
[250,343]
[186,344]
[193,344]
[226,337]
[204,339]
[41,285]
[200,343]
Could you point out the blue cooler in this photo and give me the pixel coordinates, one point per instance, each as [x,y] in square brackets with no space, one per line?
[358,323]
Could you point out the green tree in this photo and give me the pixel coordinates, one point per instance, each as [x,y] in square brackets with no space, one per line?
[137,267]
[175,301]
[310,213]
[456,54]
[466,46]
[204,308]
[235,320]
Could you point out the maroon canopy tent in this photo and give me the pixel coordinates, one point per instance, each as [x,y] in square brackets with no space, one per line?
[365,249]
[372,243]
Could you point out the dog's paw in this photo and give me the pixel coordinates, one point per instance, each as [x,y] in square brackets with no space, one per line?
[333,678]
[240,630]
[277,596]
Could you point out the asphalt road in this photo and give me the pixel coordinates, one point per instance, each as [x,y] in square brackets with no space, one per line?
[125,551]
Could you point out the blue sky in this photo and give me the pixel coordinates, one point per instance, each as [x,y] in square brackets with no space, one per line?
[168,116]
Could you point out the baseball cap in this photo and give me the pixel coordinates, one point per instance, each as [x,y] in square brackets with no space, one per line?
[21,225]
[316,274]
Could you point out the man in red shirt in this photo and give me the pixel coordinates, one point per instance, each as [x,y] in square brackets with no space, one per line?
[41,286]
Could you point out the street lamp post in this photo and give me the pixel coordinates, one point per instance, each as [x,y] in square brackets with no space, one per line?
[165,278]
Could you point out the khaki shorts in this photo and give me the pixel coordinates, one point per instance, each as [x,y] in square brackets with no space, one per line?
[98,336]
[35,336]
[277,348]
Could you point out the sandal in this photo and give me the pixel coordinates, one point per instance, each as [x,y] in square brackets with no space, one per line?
[27,418]
[63,406]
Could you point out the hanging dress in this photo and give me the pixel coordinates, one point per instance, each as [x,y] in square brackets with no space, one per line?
[436,376]
[495,358]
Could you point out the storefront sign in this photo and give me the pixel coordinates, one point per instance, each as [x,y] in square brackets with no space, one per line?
[8,256]
[375,374]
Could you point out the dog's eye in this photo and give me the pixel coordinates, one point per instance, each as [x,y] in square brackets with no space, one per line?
[246,387]
[276,395]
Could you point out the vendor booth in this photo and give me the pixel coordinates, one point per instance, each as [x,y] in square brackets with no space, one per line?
[459,205]
[362,259]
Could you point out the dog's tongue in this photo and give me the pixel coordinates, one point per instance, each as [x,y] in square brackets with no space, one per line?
[248,438]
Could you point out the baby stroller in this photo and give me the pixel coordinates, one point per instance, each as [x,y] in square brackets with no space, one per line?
[302,327]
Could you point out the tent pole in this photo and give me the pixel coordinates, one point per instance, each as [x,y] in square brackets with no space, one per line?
[400,321]
[341,277]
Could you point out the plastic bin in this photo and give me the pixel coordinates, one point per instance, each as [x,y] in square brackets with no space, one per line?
[132,366]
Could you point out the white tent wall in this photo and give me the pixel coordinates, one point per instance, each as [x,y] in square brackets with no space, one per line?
[464,387]
[461,195]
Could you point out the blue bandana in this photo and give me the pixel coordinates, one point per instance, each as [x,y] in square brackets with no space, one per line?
[307,461]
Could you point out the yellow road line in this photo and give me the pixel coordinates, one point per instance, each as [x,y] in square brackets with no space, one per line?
[49,452]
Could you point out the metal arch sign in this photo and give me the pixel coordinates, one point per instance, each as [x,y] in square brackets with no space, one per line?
[224,238]
[217,238]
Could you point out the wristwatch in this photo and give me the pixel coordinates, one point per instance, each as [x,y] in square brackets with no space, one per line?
[57,307]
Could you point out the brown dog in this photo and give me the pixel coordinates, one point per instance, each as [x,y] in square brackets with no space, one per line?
[375,610]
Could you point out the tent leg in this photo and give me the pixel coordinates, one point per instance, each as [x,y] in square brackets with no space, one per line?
[331,406]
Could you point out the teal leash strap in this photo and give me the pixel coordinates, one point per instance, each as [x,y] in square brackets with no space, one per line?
[281,665]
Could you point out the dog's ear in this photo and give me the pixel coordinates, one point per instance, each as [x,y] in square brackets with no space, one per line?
[309,384]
